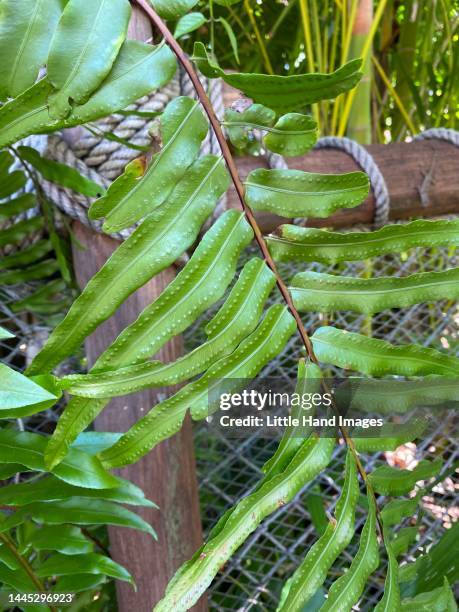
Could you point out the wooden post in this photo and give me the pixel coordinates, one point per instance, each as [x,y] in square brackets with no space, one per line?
[167,475]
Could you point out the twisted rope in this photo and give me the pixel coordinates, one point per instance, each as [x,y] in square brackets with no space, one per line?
[447,134]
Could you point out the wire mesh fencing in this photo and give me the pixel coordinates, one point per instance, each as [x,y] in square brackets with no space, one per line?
[229,469]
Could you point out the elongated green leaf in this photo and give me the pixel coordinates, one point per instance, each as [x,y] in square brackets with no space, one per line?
[194,577]
[392,481]
[78,583]
[64,565]
[17,205]
[293,193]
[26,256]
[308,381]
[327,292]
[154,245]
[438,600]
[409,432]
[236,319]
[16,578]
[164,420]
[66,539]
[189,23]
[309,244]
[60,174]
[172,9]
[231,37]
[77,469]
[93,442]
[26,29]
[183,127]
[85,44]
[237,124]
[46,382]
[11,183]
[397,509]
[40,270]
[346,591]
[51,488]
[200,284]
[5,334]
[20,230]
[391,598]
[17,390]
[138,70]
[378,358]
[283,93]
[312,572]
[403,540]
[42,296]
[80,512]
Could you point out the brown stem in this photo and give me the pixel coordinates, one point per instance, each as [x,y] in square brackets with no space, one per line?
[215,124]
[5,538]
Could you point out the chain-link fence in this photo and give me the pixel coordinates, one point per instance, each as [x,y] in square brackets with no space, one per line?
[229,469]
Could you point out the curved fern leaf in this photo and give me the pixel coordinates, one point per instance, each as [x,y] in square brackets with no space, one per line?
[26,256]
[235,320]
[392,481]
[308,381]
[193,579]
[36,272]
[138,70]
[59,564]
[346,591]
[309,244]
[154,245]
[183,127]
[85,44]
[26,29]
[166,419]
[282,93]
[20,230]
[17,205]
[173,9]
[410,431]
[200,284]
[378,358]
[397,509]
[390,601]
[439,600]
[292,134]
[312,572]
[293,193]
[327,292]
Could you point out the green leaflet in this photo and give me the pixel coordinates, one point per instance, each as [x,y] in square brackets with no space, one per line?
[200,284]
[166,419]
[235,320]
[16,390]
[80,512]
[66,539]
[78,583]
[60,174]
[172,9]
[292,134]
[293,193]
[26,256]
[153,246]
[17,205]
[51,488]
[46,382]
[326,292]
[93,442]
[17,578]
[189,23]
[10,181]
[183,128]
[20,230]
[77,468]
[26,29]
[42,298]
[84,47]
[346,591]
[308,379]
[409,432]
[312,572]
[438,600]
[397,509]
[309,244]
[138,70]
[66,565]
[390,601]
[392,481]
[194,577]
[40,270]
[375,357]
[403,540]
[283,93]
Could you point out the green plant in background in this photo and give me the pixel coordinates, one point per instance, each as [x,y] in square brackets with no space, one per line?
[410,51]
[172,196]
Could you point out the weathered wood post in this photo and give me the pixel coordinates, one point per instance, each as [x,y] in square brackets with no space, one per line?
[167,474]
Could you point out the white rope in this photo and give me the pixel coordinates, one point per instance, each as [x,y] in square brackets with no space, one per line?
[447,134]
